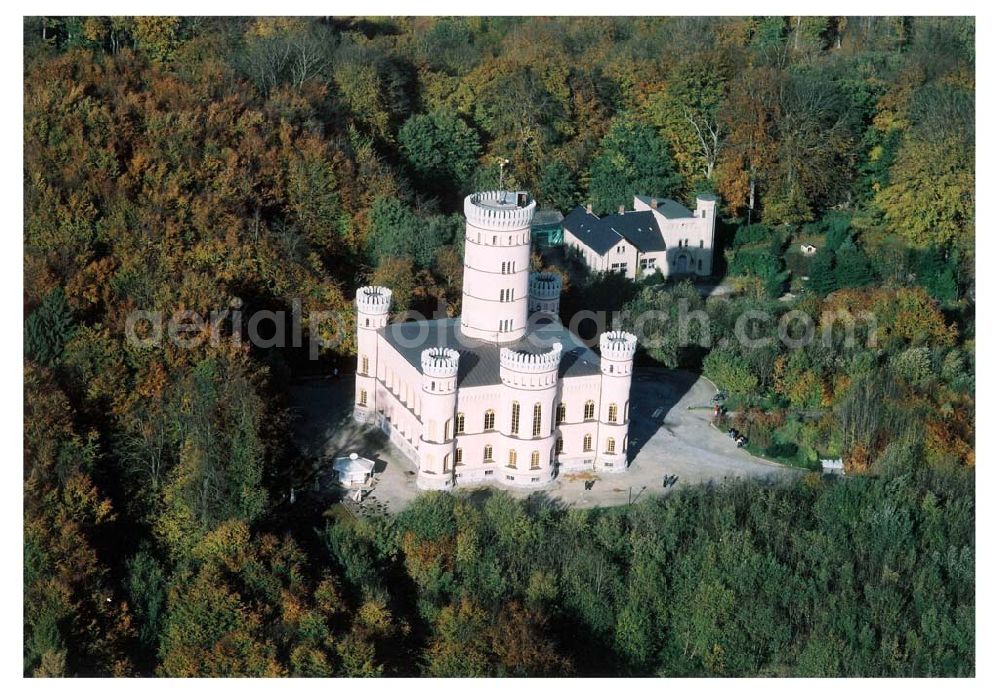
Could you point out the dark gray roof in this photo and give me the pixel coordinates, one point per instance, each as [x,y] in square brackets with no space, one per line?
[640,228]
[670,209]
[479,364]
[591,230]
[601,234]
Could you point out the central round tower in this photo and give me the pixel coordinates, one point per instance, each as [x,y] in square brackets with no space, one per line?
[497,260]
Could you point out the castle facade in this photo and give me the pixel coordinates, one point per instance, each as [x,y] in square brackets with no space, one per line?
[505,393]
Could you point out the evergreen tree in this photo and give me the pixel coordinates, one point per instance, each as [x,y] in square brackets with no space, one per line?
[822,277]
[48,329]
[937,273]
[634,159]
[440,149]
[556,188]
[853,268]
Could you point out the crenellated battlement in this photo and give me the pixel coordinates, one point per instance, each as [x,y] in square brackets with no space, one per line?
[439,362]
[372,299]
[500,210]
[531,363]
[618,346]
[545,285]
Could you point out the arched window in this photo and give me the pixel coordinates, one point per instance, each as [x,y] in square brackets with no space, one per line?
[489,420]
[447,462]
[588,410]
[611,445]
[511,459]
[458,457]
[535,461]
[561,414]
[515,417]
[488,453]
[613,412]
[431,431]
[364,365]
[460,423]
[368,322]
[363,399]
[588,443]
[626,412]
[536,420]
[447,430]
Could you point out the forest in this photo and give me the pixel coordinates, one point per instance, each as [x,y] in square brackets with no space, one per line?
[179,163]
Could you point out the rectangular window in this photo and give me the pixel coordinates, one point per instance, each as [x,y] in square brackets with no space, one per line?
[364,365]
[515,417]
[460,423]
[561,414]
[511,459]
[535,463]
[612,413]
[701,244]
[487,453]
[559,445]
[510,477]
[487,472]
[364,397]
[611,445]
[588,443]
[458,457]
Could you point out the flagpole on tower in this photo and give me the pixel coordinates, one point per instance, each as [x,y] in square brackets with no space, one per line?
[503,163]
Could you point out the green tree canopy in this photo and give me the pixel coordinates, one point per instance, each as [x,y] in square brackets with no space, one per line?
[634,160]
[440,149]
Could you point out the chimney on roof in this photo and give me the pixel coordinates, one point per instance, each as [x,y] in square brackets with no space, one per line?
[590,209]
[653,203]
[621,209]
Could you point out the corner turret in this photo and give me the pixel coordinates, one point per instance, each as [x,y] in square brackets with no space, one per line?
[617,353]
[373,304]
[438,398]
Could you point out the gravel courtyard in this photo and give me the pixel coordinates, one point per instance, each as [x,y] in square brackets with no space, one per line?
[670,435]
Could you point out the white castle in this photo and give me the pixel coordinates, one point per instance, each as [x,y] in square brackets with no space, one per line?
[505,393]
